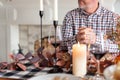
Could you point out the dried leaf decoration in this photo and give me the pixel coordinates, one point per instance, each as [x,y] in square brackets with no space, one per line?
[115,36]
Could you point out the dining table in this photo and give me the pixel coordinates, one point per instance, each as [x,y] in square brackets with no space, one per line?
[30,73]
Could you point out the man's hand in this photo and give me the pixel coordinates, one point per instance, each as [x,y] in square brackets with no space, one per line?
[86,36]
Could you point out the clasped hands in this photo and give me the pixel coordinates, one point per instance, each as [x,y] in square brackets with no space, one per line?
[86,36]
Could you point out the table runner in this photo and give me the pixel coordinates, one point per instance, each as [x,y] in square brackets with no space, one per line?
[30,72]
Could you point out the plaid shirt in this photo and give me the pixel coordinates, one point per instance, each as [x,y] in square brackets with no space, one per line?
[102,20]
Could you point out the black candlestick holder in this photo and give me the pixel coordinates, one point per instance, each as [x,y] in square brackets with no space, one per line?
[56,69]
[55,23]
[20,49]
[41,16]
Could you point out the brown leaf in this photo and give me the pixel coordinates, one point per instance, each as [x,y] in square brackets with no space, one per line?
[20,65]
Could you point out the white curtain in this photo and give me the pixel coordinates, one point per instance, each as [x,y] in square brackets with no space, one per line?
[109,4]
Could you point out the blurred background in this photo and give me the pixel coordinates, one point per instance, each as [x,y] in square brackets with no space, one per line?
[20,22]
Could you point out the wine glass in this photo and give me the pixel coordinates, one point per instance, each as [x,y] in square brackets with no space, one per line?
[55,41]
[55,38]
[98,51]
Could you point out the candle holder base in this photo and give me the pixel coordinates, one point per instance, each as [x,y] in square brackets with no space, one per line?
[56,69]
[70,71]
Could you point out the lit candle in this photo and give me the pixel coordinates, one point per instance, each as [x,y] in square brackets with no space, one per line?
[41,5]
[79,60]
[56,10]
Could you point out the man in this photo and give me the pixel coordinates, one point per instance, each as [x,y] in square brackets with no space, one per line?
[82,24]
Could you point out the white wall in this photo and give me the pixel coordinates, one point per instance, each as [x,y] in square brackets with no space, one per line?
[3,42]
[28,10]
[9,33]
[29,14]
[117,6]
[111,4]
[14,37]
[3,35]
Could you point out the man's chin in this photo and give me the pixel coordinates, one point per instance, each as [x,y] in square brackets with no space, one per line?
[85,7]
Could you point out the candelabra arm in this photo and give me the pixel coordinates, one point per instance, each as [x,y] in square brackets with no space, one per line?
[55,23]
[41,15]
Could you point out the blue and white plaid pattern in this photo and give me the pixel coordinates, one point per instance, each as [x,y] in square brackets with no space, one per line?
[28,74]
[24,75]
[101,20]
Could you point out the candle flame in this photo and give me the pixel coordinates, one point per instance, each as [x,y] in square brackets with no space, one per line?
[78,44]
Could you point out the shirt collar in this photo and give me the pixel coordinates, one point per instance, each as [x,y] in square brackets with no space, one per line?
[98,11]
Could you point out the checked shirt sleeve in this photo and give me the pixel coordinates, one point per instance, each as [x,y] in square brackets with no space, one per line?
[108,45]
[67,33]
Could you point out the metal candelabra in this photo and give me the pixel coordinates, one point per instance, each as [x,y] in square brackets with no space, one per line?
[41,16]
[55,23]
[56,69]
